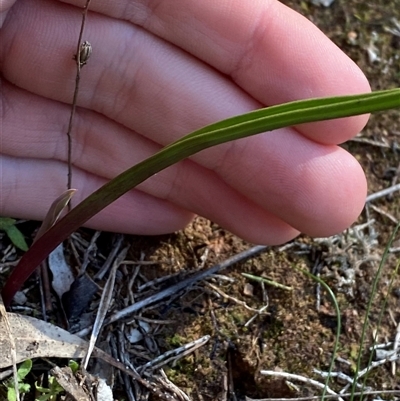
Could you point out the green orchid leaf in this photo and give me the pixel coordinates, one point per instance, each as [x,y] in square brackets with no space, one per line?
[255,122]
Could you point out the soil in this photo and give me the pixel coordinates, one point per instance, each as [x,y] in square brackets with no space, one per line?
[296,331]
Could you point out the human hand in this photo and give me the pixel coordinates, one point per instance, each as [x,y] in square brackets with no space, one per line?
[158,71]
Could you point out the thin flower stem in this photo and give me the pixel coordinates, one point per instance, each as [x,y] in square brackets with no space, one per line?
[74,100]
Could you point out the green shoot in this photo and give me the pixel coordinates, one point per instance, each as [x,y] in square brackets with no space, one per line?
[8,225]
[369,306]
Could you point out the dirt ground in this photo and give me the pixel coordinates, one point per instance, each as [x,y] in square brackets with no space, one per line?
[295,332]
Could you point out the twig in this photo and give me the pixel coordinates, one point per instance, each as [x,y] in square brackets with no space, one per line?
[317,272]
[373,365]
[384,213]
[318,398]
[340,375]
[39,278]
[91,248]
[174,354]
[230,380]
[303,379]
[179,394]
[370,142]
[396,348]
[116,246]
[184,284]
[124,358]
[45,289]
[381,194]
[98,353]
[260,312]
[157,281]
[231,298]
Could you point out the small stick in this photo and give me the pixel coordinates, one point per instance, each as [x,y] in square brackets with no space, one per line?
[98,353]
[182,285]
[175,354]
[45,289]
[186,283]
[231,298]
[381,194]
[318,398]
[91,248]
[303,379]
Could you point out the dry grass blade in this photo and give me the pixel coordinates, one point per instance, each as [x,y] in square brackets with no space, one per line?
[105,301]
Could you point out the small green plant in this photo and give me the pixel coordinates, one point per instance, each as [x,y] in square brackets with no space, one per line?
[8,225]
[51,393]
[42,393]
[22,372]
[55,389]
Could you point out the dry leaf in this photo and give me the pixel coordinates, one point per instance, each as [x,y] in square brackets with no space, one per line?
[62,273]
[35,338]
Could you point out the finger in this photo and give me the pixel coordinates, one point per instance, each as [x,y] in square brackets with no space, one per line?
[273,53]
[39,182]
[5,6]
[35,128]
[192,95]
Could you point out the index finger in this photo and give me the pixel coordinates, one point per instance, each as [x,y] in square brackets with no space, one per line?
[272,52]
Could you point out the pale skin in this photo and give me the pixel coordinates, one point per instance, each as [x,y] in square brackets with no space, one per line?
[159,70]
